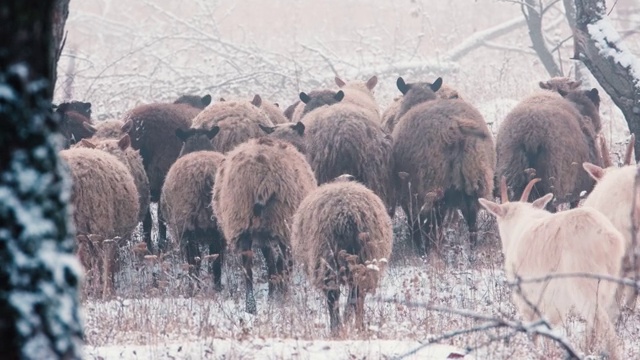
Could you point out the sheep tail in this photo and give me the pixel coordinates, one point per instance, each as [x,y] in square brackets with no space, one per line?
[470,128]
[262,203]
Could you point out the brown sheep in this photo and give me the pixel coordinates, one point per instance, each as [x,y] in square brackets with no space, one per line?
[273,112]
[105,203]
[342,138]
[360,93]
[314,100]
[75,122]
[343,235]
[186,201]
[258,188]
[292,133]
[390,118]
[152,131]
[290,110]
[238,121]
[444,159]
[111,129]
[548,136]
[121,149]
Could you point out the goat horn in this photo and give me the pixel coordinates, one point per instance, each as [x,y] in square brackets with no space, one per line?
[604,150]
[503,190]
[627,155]
[527,190]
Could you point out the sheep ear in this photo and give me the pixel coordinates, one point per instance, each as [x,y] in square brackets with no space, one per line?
[299,127]
[124,142]
[304,97]
[257,101]
[339,95]
[90,128]
[267,129]
[544,85]
[562,93]
[128,125]
[206,100]
[372,82]
[222,99]
[542,202]
[595,171]
[213,132]
[594,96]
[276,105]
[86,143]
[436,84]
[86,106]
[496,210]
[340,82]
[182,134]
[402,86]
[574,84]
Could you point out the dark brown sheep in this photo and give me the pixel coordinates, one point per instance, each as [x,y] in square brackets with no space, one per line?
[121,149]
[343,138]
[548,136]
[238,120]
[444,159]
[75,123]
[186,201]
[152,131]
[105,205]
[257,190]
[292,133]
[343,236]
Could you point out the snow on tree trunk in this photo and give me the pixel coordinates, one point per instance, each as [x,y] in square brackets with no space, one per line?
[617,70]
[39,275]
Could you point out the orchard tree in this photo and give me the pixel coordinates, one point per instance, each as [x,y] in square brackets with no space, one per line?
[39,275]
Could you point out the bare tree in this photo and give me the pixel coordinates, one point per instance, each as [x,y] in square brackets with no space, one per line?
[599,46]
[533,11]
[39,275]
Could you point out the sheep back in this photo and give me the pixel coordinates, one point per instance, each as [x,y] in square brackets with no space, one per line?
[259,187]
[186,194]
[331,219]
[341,139]
[103,193]
[239,121]
[109,129]
[273,113]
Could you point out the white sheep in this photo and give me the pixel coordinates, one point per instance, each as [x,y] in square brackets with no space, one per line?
[537,243]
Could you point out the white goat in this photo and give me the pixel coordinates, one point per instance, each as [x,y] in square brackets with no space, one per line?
[537,243]
[613,196]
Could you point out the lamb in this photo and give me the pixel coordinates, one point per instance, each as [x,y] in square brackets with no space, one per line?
[549,134]
[186,201]
[361,93]
[343,235]
[152,131]
[537,243]
[258,188]
[239,121]
[105,204]
[444,159]
[613,196]
[292,133]
[121,149]
[75,123]
[390,118]
[342,138]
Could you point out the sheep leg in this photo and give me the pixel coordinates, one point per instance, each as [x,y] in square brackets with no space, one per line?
[147,224]
[162,231]
[193,254]
[602,333]
[355,305]
[215,267]
[109,253]
[333,300]
[245,243]
[470,214]
[275,270]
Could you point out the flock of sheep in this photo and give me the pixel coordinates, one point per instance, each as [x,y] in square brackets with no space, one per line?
[320,181]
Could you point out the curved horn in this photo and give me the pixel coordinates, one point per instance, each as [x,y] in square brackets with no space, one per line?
[504,196]
[527,190]
[629,152]
[604,150]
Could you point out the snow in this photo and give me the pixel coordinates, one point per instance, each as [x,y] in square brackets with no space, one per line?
[280,349]
[610,44]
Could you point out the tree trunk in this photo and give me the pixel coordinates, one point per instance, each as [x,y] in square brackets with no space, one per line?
[60,14]
[615,68]
[533,14]
[39,274]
